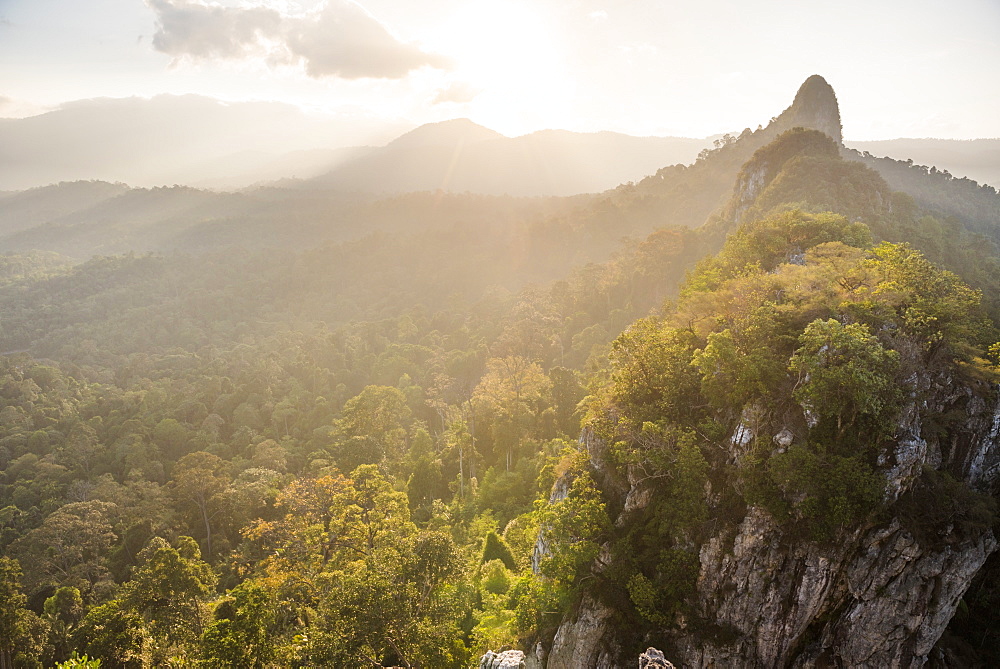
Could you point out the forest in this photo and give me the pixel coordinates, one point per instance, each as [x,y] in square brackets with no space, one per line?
[366,438]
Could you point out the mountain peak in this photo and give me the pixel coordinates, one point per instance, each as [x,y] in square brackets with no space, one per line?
[815,106]
[454,131]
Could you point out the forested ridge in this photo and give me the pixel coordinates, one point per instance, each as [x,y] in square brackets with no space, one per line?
[327,447]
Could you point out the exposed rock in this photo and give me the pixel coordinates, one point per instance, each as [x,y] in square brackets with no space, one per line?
[815,106]
[584,641]
[508,659]
[784,439]
[653,659]
[875,596]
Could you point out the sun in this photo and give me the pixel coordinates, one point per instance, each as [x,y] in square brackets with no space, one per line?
[510,55]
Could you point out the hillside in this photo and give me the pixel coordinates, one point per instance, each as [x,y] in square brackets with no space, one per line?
[742,410]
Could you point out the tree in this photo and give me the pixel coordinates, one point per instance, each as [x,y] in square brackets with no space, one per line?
[199,480]
[844,372]
[372,427]
[241,634]
[168,591]
[63,611]
[112,632]
[512,393]
[22,632]
[71,546]
[653,378]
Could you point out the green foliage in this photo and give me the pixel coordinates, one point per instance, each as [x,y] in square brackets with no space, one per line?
[817,492]
[763,244]
[112,632]
[932,305]
[496,577]
[652,374]
[168,591]
[79,662]
[22,632]
[496,549]
[845,372]
[572,527]
[938,506]
[242,633]
[675,578]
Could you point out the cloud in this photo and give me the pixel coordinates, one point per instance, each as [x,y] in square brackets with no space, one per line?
[459,92]
[598,16]
[340,38]
[210,31]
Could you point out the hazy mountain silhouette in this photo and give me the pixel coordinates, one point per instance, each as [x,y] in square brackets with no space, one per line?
[977,159]
[172,139]
[459,156]
[81,219]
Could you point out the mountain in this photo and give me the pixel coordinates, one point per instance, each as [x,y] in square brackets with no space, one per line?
[460,156]
[743,410]
[977,159]
[170,139]
[755,519]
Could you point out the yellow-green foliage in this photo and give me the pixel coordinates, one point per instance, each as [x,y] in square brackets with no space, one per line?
[796,317]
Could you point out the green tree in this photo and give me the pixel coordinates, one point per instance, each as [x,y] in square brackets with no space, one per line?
[511,395]
[199,480]
[71,546]
[242,633]
[22,632]
[168,590]
[63,611]
[372,427]
[844,372]
[114,633]
[652,374]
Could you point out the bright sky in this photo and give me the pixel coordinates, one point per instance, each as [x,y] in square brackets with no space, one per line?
[901,68]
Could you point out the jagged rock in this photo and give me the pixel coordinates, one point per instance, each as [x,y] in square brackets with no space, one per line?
[508,659]
[653,659]
[584,642]
[876,596]
[784,439]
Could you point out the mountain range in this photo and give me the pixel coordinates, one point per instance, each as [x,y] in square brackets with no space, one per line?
[202,142]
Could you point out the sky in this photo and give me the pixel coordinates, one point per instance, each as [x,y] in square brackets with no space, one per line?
[901,68]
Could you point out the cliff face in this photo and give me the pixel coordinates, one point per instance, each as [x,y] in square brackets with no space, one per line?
[877,595]
[815,106]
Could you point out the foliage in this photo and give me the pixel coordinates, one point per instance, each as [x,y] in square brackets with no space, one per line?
[818,492]
[844,372]
[339,446]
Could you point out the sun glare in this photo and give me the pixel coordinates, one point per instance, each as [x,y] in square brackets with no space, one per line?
[510,54]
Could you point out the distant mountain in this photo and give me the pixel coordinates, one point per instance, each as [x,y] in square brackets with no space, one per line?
[459,156]
[80,219]
[166,140]
[23,210]
[977,159]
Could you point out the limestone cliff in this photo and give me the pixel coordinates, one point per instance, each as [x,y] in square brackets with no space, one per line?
[878,595]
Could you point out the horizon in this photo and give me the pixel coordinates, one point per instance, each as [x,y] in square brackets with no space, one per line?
[518,68]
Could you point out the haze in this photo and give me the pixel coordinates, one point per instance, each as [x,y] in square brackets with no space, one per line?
[317,76]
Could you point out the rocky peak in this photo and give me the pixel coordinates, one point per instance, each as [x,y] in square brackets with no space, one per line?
[815,106]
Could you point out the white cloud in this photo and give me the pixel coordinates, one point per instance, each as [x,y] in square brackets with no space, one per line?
[340,38]
[598,16]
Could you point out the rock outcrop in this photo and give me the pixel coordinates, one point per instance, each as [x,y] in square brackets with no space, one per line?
[878,595]
[815,106]
[508,659]
[653,659]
